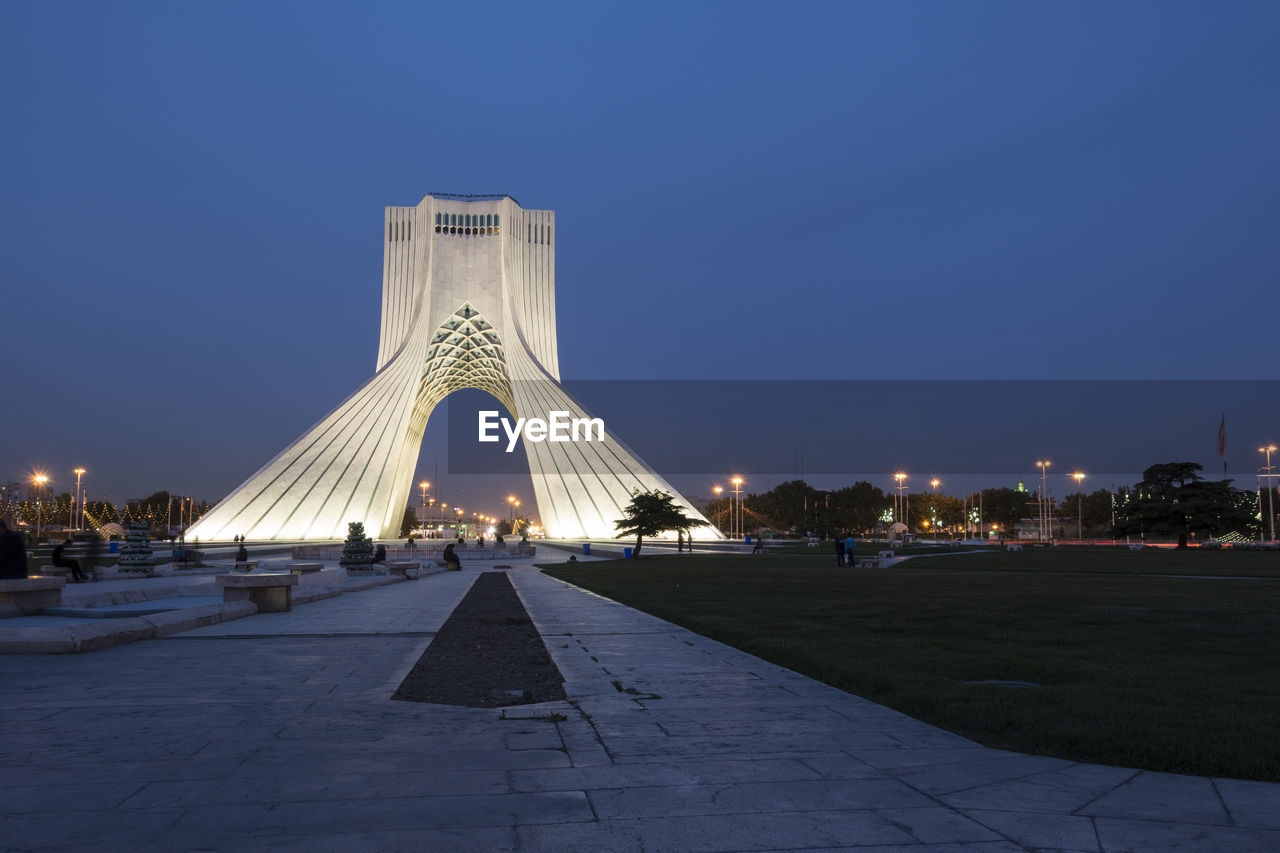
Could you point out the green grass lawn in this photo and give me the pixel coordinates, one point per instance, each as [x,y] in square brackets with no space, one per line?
[1177,674]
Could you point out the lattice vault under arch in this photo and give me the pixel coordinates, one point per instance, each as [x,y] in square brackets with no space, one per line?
[468,301]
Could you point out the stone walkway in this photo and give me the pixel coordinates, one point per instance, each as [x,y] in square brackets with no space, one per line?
[275,732]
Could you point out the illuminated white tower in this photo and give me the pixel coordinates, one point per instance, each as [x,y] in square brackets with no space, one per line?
[468,301]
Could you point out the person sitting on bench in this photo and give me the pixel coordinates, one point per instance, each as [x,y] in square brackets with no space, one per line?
[451,561]
[61,562]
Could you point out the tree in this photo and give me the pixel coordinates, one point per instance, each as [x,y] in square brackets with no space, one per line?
[940,511]
[1005,507]
[651,513]
[1172,500]
[792,505]
[859,508]
[1097,511]
[409,523]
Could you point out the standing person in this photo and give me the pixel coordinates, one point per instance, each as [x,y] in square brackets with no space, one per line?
[13,554]
[61,562]
[680,541]
[849,543]
[242,554]
[839,550]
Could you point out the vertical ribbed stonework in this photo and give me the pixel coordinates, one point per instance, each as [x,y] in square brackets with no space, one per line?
[468,301]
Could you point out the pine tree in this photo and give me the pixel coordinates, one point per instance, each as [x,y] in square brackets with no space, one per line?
[357,550]
[135,554]
[651,513]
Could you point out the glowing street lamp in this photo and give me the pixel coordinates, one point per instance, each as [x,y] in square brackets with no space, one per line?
[38,480]
[737,499]
[935,482]
[79,521]
[1043,465]
[1271,501]
[1079,477]
[902,505]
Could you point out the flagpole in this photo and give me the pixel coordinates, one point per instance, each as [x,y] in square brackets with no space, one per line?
[1222,444]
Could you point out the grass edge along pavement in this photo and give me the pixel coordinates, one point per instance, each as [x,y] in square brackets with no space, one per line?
[1129,667]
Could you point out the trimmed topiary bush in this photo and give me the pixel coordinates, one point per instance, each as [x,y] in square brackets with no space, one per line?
[357,550]
[135,553]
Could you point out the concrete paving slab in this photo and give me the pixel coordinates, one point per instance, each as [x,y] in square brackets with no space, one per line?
[719,833]
[1253,804]
[1163,796]
[1062,791]
[1117,835]
[1041,831]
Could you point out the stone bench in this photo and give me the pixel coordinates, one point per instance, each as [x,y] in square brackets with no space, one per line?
[1013,546]
[56,571]
[405,568]
[305,568]
[272,592]
[246,566]
[28,595]
[867,562]
[885,555]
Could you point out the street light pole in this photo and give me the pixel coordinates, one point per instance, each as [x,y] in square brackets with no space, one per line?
[1080,500]
[39,480]
[737,495]
[78,523]
[1271,501]
[1044,492]
[902,504]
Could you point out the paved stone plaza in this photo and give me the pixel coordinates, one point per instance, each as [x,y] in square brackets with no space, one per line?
[276,732]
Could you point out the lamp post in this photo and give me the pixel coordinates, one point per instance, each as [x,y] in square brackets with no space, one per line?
[79,520]
[1043,465]
[737,499]
[38,480]
[902,504]
[1080,500]
[1271,503]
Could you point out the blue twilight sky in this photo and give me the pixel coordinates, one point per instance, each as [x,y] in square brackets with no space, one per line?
[190,227]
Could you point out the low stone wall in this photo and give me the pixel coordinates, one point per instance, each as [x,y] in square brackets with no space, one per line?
[429,549]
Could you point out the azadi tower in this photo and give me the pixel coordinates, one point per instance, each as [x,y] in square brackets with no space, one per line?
[468,301]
